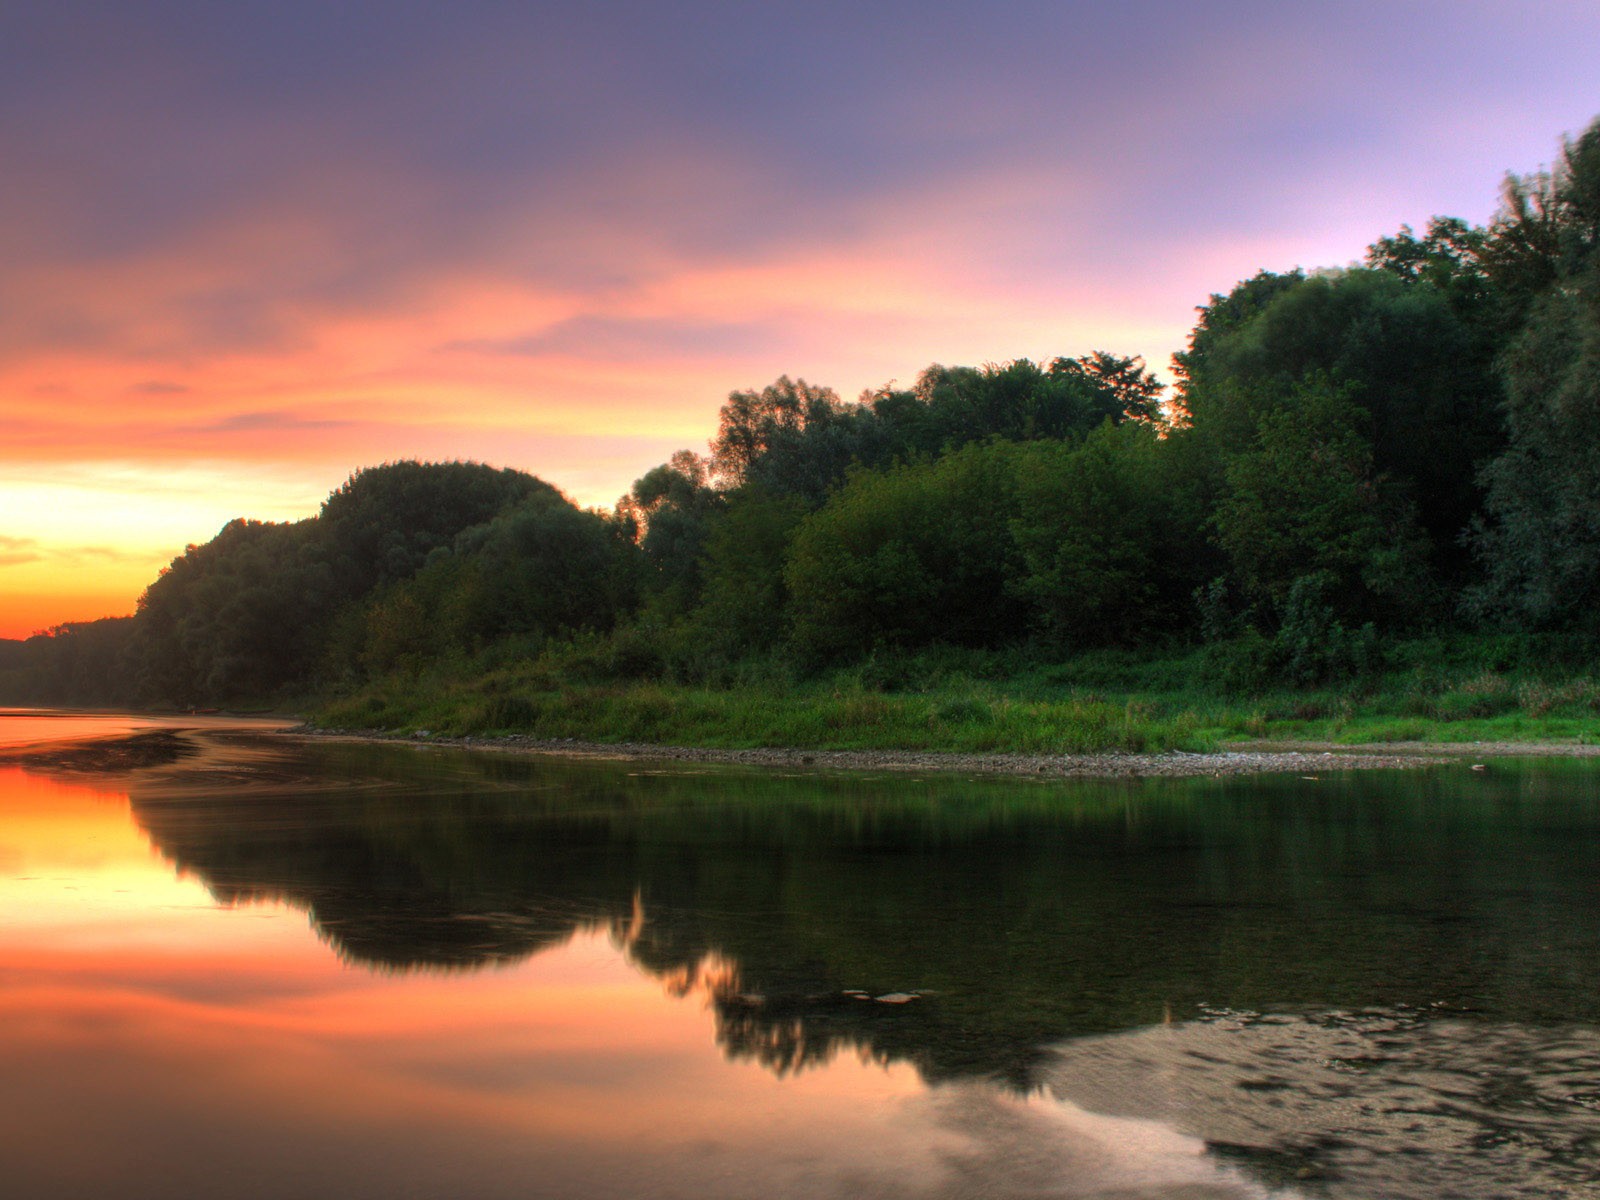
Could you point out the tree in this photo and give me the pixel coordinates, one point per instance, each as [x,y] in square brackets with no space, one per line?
[1020,401]
[778,438]
[1540,538]
[240,616]
[381,524]
[1222,316]
[745,597]
[912,556]
[1124,388]
[1397,350]
[1305,499]
[1095,538]
[668,513]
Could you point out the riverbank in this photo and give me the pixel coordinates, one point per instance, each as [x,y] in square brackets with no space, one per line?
[124,751]
[982,706]
[1243,759]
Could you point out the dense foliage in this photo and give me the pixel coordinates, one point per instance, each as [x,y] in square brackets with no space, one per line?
[1403,448]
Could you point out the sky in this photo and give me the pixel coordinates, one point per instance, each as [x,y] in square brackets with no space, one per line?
[248,248]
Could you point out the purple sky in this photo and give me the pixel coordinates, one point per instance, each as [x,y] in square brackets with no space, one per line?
[247,247]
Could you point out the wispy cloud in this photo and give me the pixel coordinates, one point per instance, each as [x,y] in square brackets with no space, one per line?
[255,422]
[285,240]
[630,339]
[26,551]
[14,551]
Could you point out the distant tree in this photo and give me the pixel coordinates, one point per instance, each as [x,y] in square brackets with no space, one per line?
[78,663]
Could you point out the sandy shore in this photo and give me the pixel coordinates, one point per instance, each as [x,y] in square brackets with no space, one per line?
[1244,759]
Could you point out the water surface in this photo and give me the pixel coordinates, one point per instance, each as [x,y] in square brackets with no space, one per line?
[255,966]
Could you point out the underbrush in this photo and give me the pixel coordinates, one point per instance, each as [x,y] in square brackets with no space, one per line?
[634,687]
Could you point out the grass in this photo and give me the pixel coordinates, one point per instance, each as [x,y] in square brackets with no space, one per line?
[966,701]
[807,717]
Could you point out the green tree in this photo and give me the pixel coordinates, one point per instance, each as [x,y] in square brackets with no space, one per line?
[1540,538]
[381,524]
[668,513]
[1095,536]
[240,616]
[912,556]
[1399,351]
[745,595]
[542,569]
[1305,499]
[1223,316]
[790,438]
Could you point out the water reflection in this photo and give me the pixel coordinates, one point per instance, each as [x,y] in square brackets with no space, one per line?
[158,1045]
[1011,916]
[583,979]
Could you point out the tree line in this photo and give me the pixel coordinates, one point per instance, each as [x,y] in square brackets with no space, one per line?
[1345,456]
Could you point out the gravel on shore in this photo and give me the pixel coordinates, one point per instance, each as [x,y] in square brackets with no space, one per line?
[1247,759]
[158,747]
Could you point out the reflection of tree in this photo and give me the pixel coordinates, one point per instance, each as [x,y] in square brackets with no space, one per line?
[1019,913]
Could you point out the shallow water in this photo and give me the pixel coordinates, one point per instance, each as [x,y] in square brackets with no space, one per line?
[254,966]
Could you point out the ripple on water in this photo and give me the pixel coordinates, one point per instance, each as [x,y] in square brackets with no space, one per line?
[1394,1103]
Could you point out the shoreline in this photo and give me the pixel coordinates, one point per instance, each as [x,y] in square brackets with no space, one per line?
[156,747]
[1248,758]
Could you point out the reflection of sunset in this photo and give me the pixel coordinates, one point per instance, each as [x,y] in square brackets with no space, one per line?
[133,1005]
[77,876]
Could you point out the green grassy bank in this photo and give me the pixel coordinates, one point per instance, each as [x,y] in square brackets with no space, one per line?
[1441,690]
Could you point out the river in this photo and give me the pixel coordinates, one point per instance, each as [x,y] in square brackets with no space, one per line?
[244,964]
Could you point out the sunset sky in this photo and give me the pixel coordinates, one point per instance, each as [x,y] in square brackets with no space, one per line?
[246,247]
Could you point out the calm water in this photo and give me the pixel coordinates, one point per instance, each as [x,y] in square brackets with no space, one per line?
[247,966]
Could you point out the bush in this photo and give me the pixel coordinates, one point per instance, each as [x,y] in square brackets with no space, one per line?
[909,557]
[1311,647]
